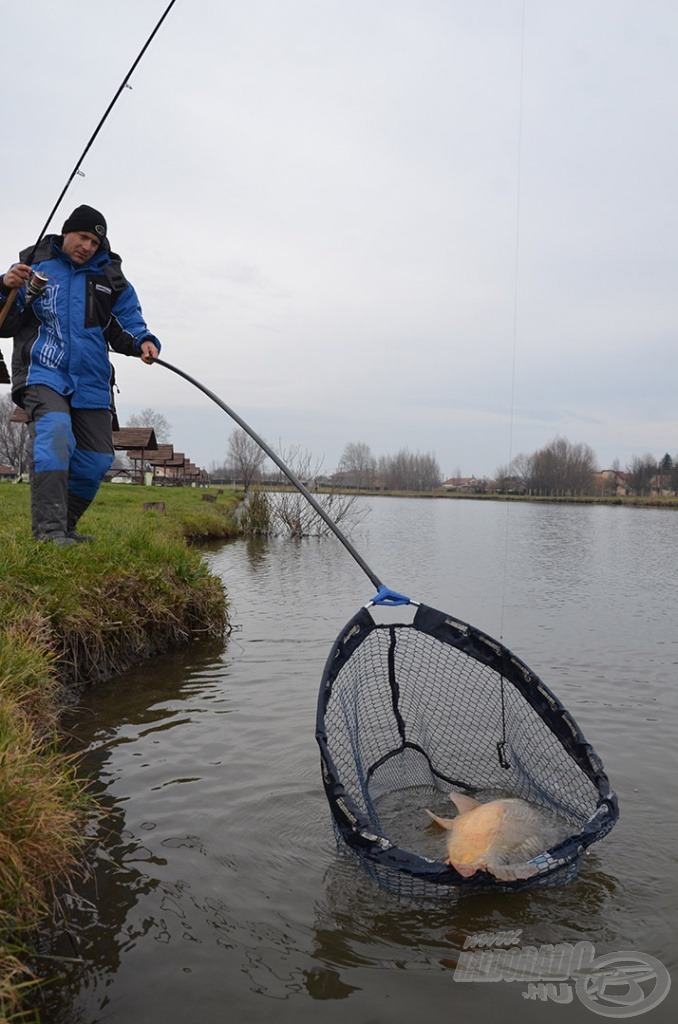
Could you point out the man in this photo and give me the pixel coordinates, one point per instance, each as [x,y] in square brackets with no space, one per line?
[61,373]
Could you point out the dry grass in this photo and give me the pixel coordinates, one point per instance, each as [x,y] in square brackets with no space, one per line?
[41,804]
[71,615]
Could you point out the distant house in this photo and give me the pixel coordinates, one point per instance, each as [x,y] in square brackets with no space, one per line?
[8,473]
[348,479]
[611,482]
[661,484]
[463,483]
[119,473]
[170,467]
[510,485]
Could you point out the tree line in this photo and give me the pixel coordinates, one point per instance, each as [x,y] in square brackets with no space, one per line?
[558,469]
[563,469]
[357,468]
[404,471]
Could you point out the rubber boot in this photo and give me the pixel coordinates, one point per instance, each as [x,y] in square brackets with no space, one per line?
[48,504]
[76,508]
[61,540]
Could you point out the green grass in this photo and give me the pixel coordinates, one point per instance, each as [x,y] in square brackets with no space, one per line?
[139,589]
[70,616]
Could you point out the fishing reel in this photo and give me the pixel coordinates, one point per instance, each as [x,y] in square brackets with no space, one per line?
[35,286]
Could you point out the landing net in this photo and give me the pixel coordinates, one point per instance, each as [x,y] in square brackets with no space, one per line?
[409,711]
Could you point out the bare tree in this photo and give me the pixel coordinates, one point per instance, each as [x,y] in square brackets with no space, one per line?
[292,511]
[514,477]
[641,471]
[152,418]
[245,456]
[546,471]
[13,437]
[359,463]
[408,472]
[558,469]
[582,466]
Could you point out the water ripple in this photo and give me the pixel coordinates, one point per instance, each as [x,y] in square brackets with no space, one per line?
[214,869]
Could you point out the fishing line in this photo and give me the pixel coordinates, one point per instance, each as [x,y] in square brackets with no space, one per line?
[516,267]
[374,735]
[390,691]
[384,594]
[109,108]
[374,725]
[381,684]
[76,170]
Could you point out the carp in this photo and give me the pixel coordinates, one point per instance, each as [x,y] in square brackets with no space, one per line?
[499,837]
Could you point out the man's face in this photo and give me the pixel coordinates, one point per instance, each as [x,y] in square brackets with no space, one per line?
[80,245]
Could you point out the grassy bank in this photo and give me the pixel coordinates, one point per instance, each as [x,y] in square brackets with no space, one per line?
[71,616]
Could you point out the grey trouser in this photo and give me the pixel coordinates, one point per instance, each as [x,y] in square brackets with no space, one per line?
[71,450]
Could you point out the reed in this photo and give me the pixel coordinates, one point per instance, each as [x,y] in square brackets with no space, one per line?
[72,616]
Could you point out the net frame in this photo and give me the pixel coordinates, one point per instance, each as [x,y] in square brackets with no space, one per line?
[436,701]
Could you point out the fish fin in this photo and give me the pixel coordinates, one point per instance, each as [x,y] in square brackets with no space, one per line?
[463,803]
[512,872]
[446,823]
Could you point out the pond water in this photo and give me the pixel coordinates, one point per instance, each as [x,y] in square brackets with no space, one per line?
[216,891]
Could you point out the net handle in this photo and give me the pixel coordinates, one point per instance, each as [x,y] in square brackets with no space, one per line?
[294,480]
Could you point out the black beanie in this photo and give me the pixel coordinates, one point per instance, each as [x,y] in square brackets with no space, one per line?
[86,218]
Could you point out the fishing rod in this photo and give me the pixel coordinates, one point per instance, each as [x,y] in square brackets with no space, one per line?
[384,594]
[38,285]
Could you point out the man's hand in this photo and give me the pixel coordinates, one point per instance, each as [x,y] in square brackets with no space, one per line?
[149,352]
[16,276]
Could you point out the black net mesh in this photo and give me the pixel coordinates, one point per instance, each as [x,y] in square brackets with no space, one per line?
[411,710]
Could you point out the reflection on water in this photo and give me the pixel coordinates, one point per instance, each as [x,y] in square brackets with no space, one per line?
[216,890]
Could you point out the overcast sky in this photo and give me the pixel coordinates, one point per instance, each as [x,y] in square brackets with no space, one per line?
[350,221]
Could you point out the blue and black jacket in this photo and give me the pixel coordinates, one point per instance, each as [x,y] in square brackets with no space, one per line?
[63,338]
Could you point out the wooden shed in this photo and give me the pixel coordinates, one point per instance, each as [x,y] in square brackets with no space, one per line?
[139,443]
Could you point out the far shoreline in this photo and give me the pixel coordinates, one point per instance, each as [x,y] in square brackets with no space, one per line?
[628,500]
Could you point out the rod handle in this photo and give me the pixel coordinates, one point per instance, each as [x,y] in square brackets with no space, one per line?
[9,302]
